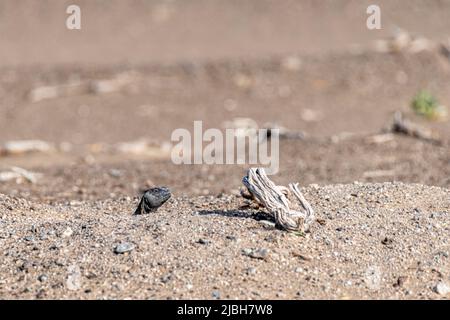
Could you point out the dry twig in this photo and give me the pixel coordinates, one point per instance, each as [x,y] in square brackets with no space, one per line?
[404,126]
[275,199]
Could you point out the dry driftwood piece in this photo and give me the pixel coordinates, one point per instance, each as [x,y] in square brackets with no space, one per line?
[404,126]
[275,199]
[24,146]
[19,174]
[115,84]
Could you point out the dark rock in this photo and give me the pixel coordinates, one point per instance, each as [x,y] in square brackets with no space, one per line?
[166,278]
[387,241]
[204,241]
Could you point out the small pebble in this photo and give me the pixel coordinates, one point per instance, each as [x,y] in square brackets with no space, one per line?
[115,173]
[267,224]
[261,253]
[250,271]
[124,247]
[233,238]
[73,281]
[442,288]
[43,278]
[387,241]
[166,278]
[216,294]
[67,233]
[203,241]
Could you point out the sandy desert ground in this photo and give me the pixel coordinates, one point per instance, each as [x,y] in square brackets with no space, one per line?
[140,69]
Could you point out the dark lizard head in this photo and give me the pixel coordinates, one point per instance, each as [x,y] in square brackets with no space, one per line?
[152,199]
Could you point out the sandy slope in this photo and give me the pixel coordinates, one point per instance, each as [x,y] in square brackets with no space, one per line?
[386,240]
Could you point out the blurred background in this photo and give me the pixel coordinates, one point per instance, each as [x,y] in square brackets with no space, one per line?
[154,31]
[102,101]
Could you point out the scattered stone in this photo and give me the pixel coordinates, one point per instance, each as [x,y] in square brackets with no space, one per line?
[442,288]
[41,294]
[67,233]
[115,84]
[20,147]
[153,199]
[387,241]
[115,173]
[421,44]
[400,281]
[283,133]
[203,241]
[216,294]
[73,281]
[78,87]
[43,278]
[373,276]
[322,222]
[142,148]
[233,238]
[123,248]
[260,253]
[403,41]
[19,175]
[52,92]
[301,256]
[166,278]
[6,176]
[267,224]
[42,93]
[250,271]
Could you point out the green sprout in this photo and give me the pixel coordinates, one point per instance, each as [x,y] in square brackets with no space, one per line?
[425,104]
